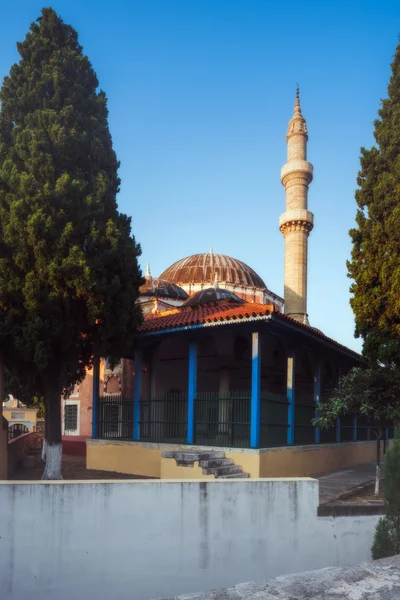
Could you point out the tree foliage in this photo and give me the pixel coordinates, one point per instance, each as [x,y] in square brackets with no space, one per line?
[375,259]
[373,392]
[387,534]
[69,275]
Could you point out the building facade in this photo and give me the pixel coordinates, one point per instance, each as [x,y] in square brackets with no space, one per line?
[223,362]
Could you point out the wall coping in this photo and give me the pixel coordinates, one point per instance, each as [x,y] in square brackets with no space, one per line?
[187,482]
[20,437]
[226,449]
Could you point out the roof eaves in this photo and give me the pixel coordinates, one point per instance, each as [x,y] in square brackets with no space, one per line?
[309,331]
[231,320]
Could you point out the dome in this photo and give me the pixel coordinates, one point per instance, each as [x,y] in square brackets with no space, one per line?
[212,294]
[200,268]
[155,286]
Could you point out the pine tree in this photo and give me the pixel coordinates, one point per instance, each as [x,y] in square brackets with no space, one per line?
[375,264]
[69,275]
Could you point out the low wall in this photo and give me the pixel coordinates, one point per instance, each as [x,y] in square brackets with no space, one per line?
[133,458]
[18,449]
[140,458]
[3,447]
[154,539]
[300,461]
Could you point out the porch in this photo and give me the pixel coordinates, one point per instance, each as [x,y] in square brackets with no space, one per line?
[250,384]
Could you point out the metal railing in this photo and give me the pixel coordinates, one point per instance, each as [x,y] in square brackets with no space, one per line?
[222,419]
[273,419]
[164,419]
[16,430]
[115,417]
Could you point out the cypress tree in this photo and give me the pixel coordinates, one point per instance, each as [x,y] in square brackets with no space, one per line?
[375,260]
[69,274]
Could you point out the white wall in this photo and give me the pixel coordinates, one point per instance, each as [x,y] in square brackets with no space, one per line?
[152,539]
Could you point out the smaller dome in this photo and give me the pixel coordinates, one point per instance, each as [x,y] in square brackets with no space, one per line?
[212,294]
[155,286]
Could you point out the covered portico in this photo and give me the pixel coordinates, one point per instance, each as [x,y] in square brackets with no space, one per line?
[239,377]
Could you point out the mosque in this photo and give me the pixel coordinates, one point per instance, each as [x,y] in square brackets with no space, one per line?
[224,363]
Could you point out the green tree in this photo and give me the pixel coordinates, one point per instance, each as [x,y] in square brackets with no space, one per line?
[373,392]
[375,258]
[69,274]
[387,534]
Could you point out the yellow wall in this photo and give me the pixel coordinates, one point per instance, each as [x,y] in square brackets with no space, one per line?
[136,458]
[171,470]
[28,414]
[302,461]
[249,461]
[124,457]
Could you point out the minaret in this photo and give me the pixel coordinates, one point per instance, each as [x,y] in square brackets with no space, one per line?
[297,222]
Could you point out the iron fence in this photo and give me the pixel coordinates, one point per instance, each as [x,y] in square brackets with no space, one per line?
[164,419]
[16,430]
[115,417]
[222,419]
[273,419]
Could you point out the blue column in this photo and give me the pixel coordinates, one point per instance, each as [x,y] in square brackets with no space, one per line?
[95,393]
[192,387]
[369,430]
[317,396]
[387,432]
[291,377]
[255,390]
[137,392]
[355,429]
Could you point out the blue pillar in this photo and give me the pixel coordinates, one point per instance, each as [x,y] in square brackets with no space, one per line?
[387,432]
[355,429]
[137,392]
[95,399]
[192,387]
[291,377]
[255,390]
[369,430]
[317,397]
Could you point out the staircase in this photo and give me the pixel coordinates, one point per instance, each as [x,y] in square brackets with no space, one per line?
[212,463]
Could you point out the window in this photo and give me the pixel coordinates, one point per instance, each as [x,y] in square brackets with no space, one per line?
[71,418]
[18,416]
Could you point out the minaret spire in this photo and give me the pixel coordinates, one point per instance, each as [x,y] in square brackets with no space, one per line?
[297,222]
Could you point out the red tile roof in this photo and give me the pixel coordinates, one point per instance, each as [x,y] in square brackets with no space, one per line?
[204,314]
[223,313]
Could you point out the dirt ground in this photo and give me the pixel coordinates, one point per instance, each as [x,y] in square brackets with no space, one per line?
[74,467]
[365,496]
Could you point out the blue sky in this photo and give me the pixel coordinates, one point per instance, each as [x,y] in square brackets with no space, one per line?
[200,93]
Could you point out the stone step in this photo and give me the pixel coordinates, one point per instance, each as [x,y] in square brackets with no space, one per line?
[190,457]
[241,475]
[216,462]
[218,471]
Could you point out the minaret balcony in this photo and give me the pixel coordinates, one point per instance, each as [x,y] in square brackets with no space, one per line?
[297,215]
[300,167]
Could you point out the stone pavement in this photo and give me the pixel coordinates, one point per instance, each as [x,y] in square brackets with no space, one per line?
[334,484]
[374,581]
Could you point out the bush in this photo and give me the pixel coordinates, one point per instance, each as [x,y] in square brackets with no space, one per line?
[387,534]
[384,539]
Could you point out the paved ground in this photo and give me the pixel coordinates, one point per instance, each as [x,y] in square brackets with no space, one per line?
[74,467]
[336,483]
[375,581]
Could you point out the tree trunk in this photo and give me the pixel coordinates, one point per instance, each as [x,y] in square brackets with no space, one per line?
[53,440]
[378,461]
